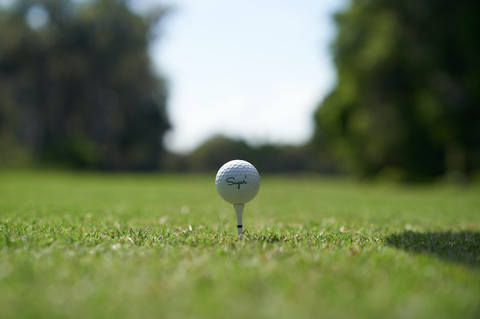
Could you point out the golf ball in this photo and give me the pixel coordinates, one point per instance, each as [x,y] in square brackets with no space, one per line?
[237,182]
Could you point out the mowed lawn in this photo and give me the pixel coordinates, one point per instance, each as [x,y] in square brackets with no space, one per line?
[164,246]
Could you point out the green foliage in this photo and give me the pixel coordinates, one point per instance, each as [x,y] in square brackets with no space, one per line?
[75,152]
[164,246]
[215,152]
[77,86]
[406,101]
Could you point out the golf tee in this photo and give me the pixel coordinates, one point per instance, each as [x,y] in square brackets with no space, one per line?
[239,211]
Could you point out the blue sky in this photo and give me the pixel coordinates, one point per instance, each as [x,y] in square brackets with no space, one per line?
[251,69]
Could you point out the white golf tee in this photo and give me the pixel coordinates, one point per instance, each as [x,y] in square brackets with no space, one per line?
[239,211]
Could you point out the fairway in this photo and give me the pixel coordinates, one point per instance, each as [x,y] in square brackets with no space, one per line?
[165,246]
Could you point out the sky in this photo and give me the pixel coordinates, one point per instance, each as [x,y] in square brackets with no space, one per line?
[250,69]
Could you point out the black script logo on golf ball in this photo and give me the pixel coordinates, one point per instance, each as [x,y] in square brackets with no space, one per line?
[232,181]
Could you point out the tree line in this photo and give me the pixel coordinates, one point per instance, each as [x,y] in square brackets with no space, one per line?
[77,90]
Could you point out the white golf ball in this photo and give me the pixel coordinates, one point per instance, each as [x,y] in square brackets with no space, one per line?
[237,182]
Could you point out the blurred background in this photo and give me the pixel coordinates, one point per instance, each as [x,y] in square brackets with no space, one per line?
[375,89]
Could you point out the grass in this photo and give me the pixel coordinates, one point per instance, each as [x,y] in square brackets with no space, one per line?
[164,246]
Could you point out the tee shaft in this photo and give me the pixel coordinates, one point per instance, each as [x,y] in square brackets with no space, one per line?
[239,211]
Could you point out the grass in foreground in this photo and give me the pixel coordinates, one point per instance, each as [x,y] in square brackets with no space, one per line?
[119,246]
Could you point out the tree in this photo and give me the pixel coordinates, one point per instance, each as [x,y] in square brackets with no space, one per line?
[215,152]
[77,86]
[407,97]
[267,158]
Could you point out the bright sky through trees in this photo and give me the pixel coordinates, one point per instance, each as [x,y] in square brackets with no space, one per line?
[253,69]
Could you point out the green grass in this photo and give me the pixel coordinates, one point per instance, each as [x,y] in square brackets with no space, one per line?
[164,246]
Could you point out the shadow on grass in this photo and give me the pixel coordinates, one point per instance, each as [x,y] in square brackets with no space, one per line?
[462,247]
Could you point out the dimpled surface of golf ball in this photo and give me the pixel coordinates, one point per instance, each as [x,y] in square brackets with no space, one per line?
[237,182]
